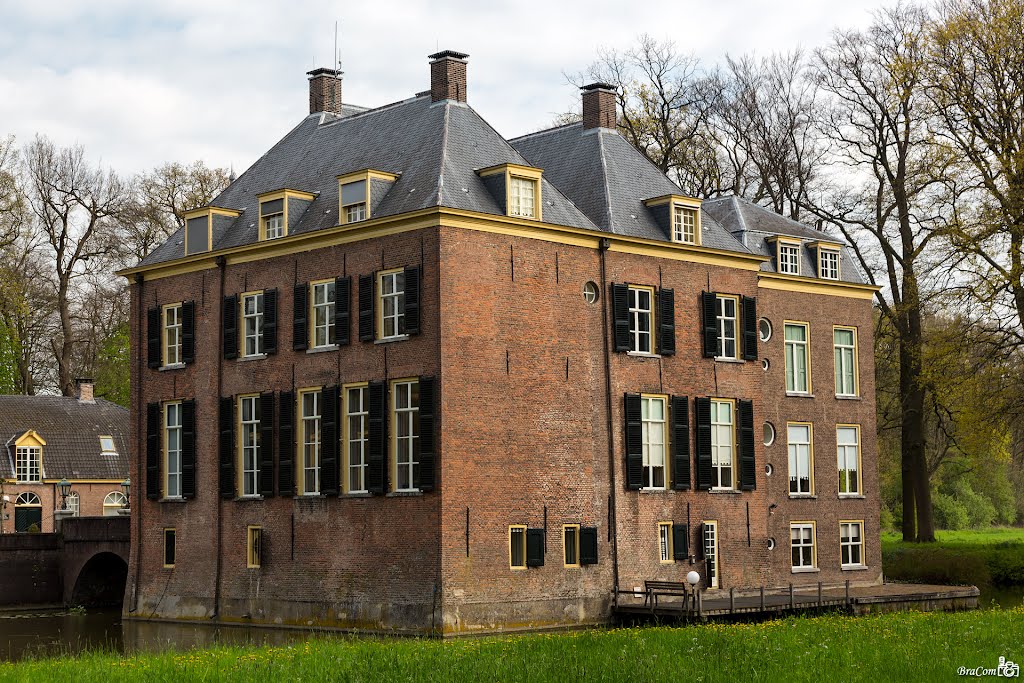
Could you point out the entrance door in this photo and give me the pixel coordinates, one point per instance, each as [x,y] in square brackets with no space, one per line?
[25,517]
[711,553]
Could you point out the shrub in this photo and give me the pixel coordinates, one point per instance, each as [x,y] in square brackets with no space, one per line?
[949,512]
[943,566]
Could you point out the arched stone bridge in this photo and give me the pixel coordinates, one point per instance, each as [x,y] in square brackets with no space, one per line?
[86,563]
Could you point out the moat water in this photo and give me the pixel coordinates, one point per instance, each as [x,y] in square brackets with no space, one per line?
[54,633]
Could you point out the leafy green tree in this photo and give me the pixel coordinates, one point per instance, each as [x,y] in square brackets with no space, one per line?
[112,367]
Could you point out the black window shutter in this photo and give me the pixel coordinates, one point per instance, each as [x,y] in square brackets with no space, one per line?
[342,310]
[534,547]
[153,335]
[425,442]
[226,449]
[188,449]
[705,476]
[588,545]
[680,443]
[749,328]
[700,541]
[376,462]
[748,469]
[229,322]
[365,308]
[620,316]
[270,321]
[709,302]
[266,482]
[286,443]
[188,332]
[330,442]
[680,542]
[634,442]
[411,319]
[667,322]
[300,331]
[153,455]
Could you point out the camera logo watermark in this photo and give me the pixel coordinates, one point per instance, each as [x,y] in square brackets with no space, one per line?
[1004,670]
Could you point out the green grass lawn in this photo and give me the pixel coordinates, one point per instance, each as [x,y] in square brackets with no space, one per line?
[894,647]
[962,539]
[984,558]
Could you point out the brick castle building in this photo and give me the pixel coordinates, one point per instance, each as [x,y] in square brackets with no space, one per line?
[406,375]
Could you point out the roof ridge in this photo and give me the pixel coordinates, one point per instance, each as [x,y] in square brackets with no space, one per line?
[545,131]
[374,110]
[607,187]
[444,153]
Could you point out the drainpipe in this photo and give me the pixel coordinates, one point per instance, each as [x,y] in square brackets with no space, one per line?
[140,403]
[222,267]
[605,243]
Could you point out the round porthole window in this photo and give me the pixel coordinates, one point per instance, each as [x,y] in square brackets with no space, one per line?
[771,544]
[768,469]
[765,326]
[590,292]
[769,433]
[765,364]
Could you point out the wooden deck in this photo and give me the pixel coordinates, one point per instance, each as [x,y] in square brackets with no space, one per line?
[779,601]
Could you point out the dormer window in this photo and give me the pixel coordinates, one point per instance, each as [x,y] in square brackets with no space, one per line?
[789,258]
[519,187]
[679,216]
[28,458]
[280,210]
[200,225]
[353,201]
[828,264]
[107,446]
[358,193]
[684,224]
[273,226]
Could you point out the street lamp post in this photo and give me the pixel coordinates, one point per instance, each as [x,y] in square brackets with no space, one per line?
[65,489]
[126,489]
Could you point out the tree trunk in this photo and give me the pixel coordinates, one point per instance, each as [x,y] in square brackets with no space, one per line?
[912,399]
[909,472]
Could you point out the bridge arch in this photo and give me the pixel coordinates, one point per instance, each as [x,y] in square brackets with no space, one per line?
[101,581]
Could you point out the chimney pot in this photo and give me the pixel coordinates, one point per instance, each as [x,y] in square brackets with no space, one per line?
[85,390]
[599,106]
[324,91]
[448,76]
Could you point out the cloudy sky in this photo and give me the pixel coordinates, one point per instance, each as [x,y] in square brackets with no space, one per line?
[139,83]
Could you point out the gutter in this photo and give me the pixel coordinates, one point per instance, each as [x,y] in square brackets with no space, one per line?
[136,547]
[602,250]
[222,266]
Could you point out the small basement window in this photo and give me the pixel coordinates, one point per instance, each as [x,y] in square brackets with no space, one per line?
[254,547]
[517,546]
[169,547]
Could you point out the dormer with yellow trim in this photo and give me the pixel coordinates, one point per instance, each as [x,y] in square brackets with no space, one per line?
[827,257]
[678,215]
[517,189]
[200,224]
[360,192]
[28,457]
[788,254]
[280,210]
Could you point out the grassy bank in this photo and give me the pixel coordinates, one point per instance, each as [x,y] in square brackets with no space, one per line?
[905,647]
[988,557]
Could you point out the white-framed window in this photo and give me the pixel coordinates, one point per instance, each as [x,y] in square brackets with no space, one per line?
[665,554]
[323,314]
[74,504]
[522,193]
[172,449]
[113,502]
[28,498]
[801,540]
[723,444]
[571,545]
[273,226]
[845,345]
[252,324]
[309,410]
[356,415]
[172,334]
[828,264]
[851,544]
[29,464]
[653,414]
[641,318]
[355,212]
[848,452]
[249,443]
[798,438]
[789,258]
[711,564]
[797,373]
[107,446]
[517,546]
[353,200]
[406,406]
[684,224]
[764,327]
[727,326]
[392,303]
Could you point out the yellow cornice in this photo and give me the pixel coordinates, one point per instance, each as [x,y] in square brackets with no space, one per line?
[796,283]
[514,169]
[30,438]
[783,238]
[367,174]
[690,202]
[285,192]
[825,244]
[208,210]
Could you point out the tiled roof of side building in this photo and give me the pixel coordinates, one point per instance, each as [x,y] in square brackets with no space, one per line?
[435,148]
[71,430]
[609,179]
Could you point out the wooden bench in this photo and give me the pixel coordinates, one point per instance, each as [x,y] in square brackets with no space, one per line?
[656,589]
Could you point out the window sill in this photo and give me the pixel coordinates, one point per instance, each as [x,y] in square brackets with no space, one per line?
[177,499]
[322,349]
[803,496]
[854,568]
[309,496]
[403,494]
[725,492]
[642,354]
[799,394]
[852,496]
[388,340]
[243,498]
[738,361]
[359,494]
[805,570]
[652,489]
[172,366]
[258,356]
[848,397]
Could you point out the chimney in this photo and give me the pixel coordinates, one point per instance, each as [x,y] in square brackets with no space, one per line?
[448,76]
[324,91]
[85,386]
[599,106]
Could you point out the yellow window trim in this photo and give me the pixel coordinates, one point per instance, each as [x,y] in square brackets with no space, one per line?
[169,530]
[521,172]
[163,442]
[863,542]
[378,304]
[284,194]
[346,489]
[860,458]
[671,550]
[735,422]
[239,455]
[654,315]
[681,201]
[163,330]
[577,528]
[814,539]
[667,444]
[208,212]
[368,175]
[810,449]
[240,333]
[738,339]
[300,460]
[856,357]
[392,433]
[30,439]
[510,528]
[807,350]
[310,312]
[822,248]
[252,559]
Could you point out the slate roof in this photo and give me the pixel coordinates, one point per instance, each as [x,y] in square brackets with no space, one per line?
[71,430]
